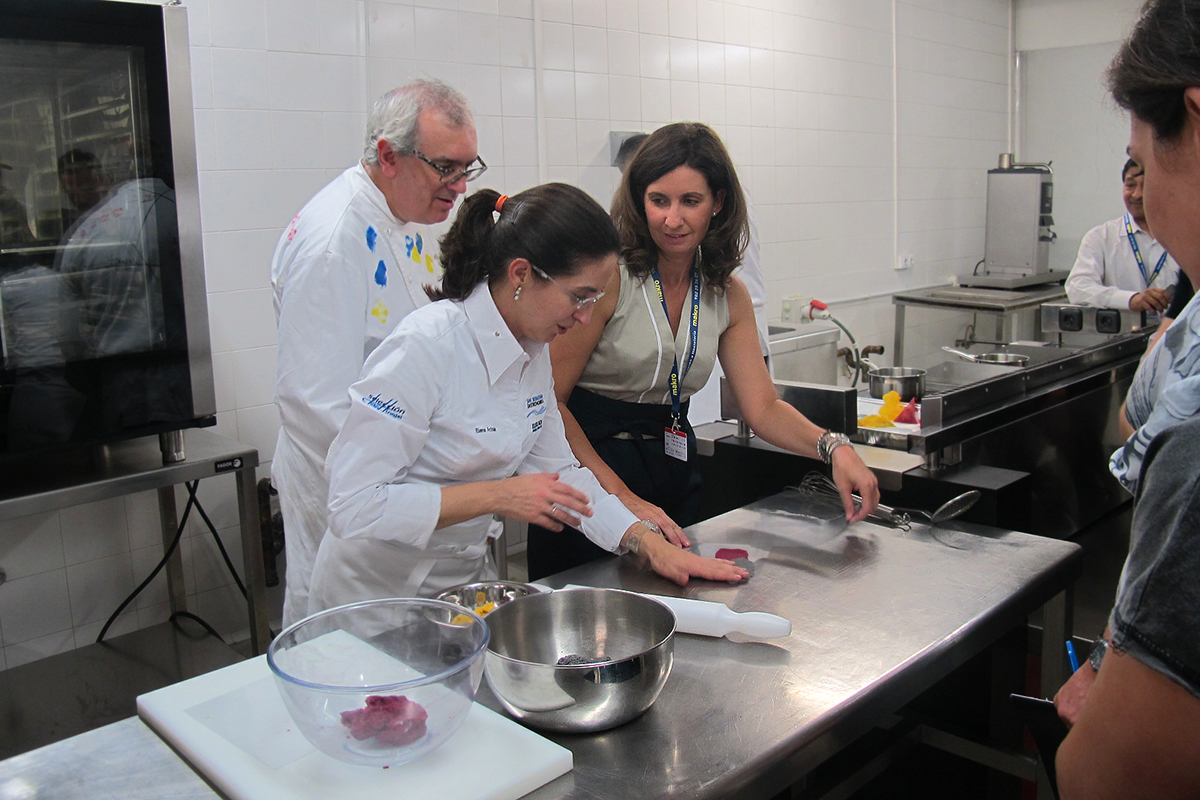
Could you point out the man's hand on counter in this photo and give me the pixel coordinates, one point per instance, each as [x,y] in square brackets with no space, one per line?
[852,476]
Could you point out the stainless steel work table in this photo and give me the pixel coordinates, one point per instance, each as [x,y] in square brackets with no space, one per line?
[1003,305]
[879,615]
[72,478]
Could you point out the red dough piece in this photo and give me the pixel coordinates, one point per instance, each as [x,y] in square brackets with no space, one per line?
[909,414]
[732,553]
[393,720]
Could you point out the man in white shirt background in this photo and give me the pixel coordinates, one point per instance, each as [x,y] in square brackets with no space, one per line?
[1120,265]
[348,268]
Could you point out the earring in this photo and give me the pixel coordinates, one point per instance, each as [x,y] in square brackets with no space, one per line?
[517,293]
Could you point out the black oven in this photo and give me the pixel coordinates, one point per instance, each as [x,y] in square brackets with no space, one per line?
[103,311]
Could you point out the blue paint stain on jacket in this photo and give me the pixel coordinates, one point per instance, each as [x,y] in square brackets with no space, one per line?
[371,237]
[381,274]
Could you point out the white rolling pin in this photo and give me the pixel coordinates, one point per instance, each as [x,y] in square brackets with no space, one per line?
[706,618]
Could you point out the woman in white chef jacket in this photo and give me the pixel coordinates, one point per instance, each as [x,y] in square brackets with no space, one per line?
[454,419]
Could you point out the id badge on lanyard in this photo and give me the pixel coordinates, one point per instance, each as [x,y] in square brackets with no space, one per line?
[1148,277]
[675,440]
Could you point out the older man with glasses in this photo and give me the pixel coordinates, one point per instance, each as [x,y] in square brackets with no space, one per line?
[348,268]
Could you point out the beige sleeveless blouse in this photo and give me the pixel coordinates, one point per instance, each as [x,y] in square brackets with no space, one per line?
[632,361]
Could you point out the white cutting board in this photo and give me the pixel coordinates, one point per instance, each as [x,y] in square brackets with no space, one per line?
[232,726]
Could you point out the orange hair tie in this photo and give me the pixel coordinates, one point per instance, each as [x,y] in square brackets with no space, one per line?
[500,202]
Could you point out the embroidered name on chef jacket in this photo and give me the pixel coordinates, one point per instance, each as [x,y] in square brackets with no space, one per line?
[384,406]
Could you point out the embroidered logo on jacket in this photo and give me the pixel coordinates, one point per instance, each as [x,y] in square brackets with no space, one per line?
[535,406]
[384,406]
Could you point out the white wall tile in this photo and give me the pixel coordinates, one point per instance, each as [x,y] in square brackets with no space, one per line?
[516,43]
[202,80]
[682,18]
[242,139]
[710,62]
[241,319]
[684,60]
[223,380]
[557,11]
[141,511]
[344,138]
[254,376]
[94,530]
[655,55]
[25,652]
[593,13]
[258,427]
[520,141]
[737,65]
[391,30]
[482,87]
[433,29]
[343,27]
[653,17]
[591,49]
[737,26]
[624,97]
[517,92]
[624,53]
[558,90]
[561,147]
[558,46]
[685,100]
[33,607]
[237,23]
[295,25]
[656,101]
[239,78]
[622,15]
[710,21]
[591,96]
[306,82]
[32,544]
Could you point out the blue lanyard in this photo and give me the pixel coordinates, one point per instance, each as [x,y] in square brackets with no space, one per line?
[693,340]
[1137,254]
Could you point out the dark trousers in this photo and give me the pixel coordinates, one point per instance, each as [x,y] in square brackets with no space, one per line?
[629,437]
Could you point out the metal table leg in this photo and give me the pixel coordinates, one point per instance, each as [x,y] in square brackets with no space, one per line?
[252,561]
[898,337]
[1057,621]
[169,518]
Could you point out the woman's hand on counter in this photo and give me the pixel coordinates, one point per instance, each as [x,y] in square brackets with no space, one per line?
[852,476]
[644,510]
[678,565]
[543,499]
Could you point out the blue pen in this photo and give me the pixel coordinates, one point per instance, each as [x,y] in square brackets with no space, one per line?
[1071,655]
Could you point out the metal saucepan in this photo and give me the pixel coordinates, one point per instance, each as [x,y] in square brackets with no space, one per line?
[1003,359]
[905,381]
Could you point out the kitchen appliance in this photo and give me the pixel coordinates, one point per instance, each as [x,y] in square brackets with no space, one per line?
[232,727]
[103,310]
[1018,235]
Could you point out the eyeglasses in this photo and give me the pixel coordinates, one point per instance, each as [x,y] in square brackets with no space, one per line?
[580,302]
[454,174]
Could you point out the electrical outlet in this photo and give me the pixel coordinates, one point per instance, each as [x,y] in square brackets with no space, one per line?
[905,261]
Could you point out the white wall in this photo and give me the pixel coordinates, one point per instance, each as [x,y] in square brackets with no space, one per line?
[801,91]
[1042,24]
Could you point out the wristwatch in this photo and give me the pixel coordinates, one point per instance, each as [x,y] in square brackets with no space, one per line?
[1099,648]
[634,544]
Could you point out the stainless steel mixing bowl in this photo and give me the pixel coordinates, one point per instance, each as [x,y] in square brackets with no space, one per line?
[579,659]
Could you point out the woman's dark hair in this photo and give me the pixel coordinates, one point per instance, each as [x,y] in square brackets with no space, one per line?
[1159,60]
[555,226]
[695,145]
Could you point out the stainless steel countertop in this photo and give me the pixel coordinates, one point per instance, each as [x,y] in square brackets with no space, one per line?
[125,759]
[878,616]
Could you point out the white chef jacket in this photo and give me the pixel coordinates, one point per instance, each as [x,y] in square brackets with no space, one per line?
[450,397]
[1106,274]
[345,272]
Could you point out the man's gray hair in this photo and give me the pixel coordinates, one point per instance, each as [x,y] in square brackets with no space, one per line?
[395,115]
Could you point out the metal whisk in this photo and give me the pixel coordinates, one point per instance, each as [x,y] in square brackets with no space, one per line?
[818,485]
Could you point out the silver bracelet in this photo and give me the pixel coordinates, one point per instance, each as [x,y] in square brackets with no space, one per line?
[828,442]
